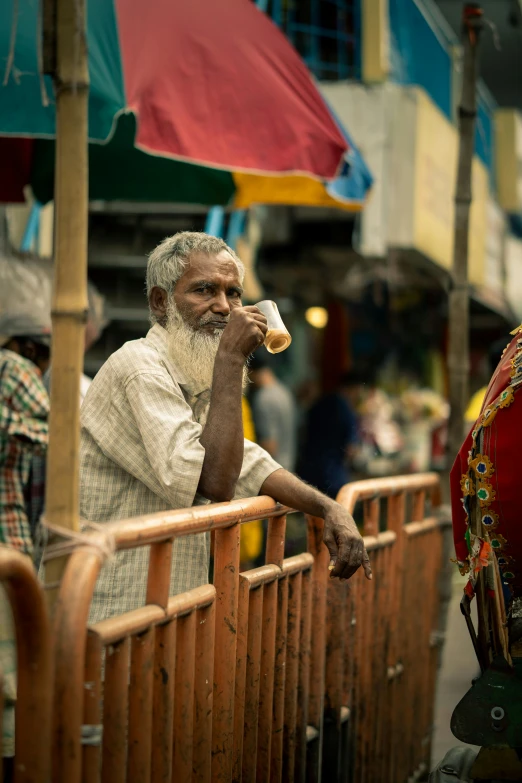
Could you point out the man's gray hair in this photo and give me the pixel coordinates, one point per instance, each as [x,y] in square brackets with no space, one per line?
[169,260]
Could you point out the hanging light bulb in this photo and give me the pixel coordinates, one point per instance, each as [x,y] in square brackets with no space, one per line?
[317,317]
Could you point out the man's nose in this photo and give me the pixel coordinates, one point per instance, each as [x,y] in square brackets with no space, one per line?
[220,305]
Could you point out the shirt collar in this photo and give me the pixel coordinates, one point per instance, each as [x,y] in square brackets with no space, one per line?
[157,337]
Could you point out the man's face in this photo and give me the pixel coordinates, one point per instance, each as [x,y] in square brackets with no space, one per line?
[208,291]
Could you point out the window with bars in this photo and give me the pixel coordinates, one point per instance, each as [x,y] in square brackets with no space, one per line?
[327,34]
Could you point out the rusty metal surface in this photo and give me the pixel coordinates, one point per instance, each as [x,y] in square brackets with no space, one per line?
[163,701]
[91,757]
[140,708]
[203,694]
[184,682]
[226,582]
[34,665]
[252,685]
[115,713]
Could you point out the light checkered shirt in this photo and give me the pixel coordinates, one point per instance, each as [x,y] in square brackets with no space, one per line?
[141,425]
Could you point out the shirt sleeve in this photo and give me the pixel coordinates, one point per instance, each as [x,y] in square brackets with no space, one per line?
[258,465]
[25,415]
[170,436]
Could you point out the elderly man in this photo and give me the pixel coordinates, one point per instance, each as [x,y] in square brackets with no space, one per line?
[162,425]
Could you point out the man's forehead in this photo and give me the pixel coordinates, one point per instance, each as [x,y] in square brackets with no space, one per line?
[211,266]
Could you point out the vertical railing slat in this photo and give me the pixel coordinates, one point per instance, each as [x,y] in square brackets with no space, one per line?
[226,581]
[253,674]
[140,708]
[292,676]
[204,694]
[115,712]
[91,754]
[276,754]
[163,702]
[185,673]
[320,576]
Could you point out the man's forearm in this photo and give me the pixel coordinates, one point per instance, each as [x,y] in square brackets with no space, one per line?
[343,540]
[222,436]
[291,491]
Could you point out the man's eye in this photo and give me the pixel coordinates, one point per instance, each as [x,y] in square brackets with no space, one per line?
[234,294]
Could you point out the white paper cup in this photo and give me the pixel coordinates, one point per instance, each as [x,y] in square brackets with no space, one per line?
[278,337]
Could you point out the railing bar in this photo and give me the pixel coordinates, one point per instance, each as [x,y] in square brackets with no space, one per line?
[154,528]
[226,579]
[253,673]
[91,754]
[292,676]
[114,629]
[303,698]
[115,713]
[278,719]
[197,598]
[158,580]
[241,671]
[203,696]
[266,691]
[419,528]
[140,708]
[275,541]
[385,539]
[184,697]
[163,701]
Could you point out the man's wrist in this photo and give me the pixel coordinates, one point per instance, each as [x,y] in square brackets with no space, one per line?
[231,359]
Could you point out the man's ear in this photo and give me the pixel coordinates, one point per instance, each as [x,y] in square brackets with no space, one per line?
[158,301]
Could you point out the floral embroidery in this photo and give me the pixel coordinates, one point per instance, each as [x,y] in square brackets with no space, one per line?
[490,520]
[466,485]
[506,398]
[508,575]
[498,542]
[482,466]
[516,373]
[488,416]
[485,493]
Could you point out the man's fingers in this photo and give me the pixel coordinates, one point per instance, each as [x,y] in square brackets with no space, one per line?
[367,566]
[331,545]
[351,556]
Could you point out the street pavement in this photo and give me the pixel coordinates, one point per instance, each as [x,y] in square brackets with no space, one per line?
[459,667]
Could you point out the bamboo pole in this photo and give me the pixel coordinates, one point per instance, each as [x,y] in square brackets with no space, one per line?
[69,307]
[458,354]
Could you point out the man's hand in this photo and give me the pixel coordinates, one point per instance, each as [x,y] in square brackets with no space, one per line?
[244,332]
[345,544]
[341,536]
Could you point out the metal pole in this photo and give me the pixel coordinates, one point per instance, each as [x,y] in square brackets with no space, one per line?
[69,308]
[458,354]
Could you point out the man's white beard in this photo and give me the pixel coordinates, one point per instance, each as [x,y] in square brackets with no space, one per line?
[193,351]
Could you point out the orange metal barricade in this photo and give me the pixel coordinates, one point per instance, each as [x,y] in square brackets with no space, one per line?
[275,674]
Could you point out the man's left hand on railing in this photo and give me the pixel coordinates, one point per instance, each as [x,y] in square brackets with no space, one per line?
[344,542]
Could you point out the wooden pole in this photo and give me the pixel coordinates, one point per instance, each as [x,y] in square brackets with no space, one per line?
[69,308]
[458,355]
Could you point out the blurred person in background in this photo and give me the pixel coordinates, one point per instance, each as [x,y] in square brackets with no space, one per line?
[96,323]
[251,542]
[24,407]
[274,412]
[332,436]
